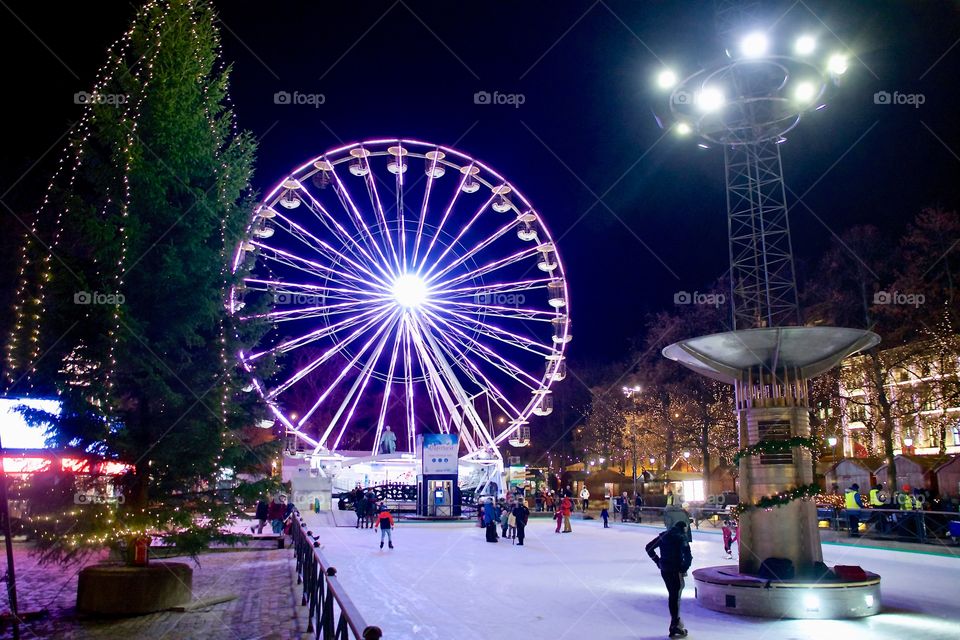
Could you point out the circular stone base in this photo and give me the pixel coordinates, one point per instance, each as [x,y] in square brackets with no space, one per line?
[725,589]
[115,589]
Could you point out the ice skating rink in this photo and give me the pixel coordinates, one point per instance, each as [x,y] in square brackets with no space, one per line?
[444,582]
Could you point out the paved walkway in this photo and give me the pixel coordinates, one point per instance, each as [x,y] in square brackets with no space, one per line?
[266,606]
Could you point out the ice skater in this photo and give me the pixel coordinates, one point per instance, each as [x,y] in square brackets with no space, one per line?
[385,522]
[504,522]
[730,535]
[606,516]
[558,516]
[674,562]
[566,507]
[521,514]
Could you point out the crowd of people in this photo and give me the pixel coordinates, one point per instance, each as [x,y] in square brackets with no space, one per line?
[278,512]
[510,514]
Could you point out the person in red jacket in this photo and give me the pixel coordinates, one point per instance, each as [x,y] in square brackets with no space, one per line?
[566,507]
[385,522]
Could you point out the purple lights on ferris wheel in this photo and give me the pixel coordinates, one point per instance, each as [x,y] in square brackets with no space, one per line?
[394,294]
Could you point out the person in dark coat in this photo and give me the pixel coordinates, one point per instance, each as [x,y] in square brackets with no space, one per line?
[262,513]
[521,514]
[359,506]
[490,521]
[606,517]
[674,562]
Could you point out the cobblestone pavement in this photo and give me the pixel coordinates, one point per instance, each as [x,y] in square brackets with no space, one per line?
[266,606]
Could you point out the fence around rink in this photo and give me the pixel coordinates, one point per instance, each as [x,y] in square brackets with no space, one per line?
[332,615]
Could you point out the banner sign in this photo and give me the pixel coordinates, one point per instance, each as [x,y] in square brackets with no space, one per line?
[439,453]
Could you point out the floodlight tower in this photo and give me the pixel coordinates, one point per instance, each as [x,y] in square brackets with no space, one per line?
[746,103]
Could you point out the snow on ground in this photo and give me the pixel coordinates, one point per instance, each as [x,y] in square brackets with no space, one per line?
[443,581]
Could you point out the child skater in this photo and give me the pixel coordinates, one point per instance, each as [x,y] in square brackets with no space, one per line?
[606,516]
[729,537]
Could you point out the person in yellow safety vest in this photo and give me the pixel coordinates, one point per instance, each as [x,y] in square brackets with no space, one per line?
[908,503]
[878,518]
[669,498]
[853,503]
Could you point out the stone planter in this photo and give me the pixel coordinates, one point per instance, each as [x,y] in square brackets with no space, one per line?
[116,589]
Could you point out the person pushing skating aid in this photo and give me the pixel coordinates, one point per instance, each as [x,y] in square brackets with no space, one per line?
[674,561]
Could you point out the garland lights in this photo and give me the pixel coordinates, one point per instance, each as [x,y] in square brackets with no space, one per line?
[803,492]
[776,446]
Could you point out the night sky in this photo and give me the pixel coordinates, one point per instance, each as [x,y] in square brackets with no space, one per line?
[584,132]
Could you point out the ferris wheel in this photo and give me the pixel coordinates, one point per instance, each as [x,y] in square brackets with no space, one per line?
[402,288]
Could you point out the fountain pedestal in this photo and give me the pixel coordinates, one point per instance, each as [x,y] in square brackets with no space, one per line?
[769,369]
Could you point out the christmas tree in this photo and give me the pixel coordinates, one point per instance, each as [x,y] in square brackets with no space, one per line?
[120,309]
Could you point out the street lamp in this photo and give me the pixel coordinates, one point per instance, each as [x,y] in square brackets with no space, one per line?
[686,455]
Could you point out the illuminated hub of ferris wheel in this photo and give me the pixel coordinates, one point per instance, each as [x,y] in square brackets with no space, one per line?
[406,288]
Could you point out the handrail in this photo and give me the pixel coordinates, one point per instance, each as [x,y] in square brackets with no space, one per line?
[332,615]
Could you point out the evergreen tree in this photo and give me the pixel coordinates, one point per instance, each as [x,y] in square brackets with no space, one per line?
[122,310]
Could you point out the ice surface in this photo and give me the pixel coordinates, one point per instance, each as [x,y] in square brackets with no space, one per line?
[444,582]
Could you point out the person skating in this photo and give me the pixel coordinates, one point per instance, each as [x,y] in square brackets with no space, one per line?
[606,516]
[730,535]
[584,498]
[566,507]
[521,514]
[674,562]
[625,509]
[385,522]
[558,516]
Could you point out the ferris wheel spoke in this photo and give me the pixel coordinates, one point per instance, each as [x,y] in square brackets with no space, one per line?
[490,267]
[364,232]
[475,290]
[388,385]
[447,384]
[337,230]
[443,220]
[354,395]
[408,383]
[346,369]
[473,372]
[326,355]
[473,323]
[477,248]
[324,248]
[378,207]
[474,346]
[423,209]
[426,276]
[316,311]
[509,313]
[362,227]
[312,267]
[318,334]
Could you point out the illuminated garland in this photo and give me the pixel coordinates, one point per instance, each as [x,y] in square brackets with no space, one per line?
[781,499]
[776,446]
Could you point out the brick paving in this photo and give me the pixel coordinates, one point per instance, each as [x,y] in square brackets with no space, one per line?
[266,607]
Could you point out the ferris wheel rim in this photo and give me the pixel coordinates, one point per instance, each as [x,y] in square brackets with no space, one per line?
[431,321]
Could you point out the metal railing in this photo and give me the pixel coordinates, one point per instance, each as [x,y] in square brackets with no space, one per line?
[332,615]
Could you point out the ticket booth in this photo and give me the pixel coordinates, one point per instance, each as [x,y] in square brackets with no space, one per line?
[438,490]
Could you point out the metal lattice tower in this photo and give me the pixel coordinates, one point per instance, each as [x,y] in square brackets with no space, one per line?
[746,102]
[763,283]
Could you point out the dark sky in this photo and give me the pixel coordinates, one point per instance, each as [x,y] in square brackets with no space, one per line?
[585,130]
